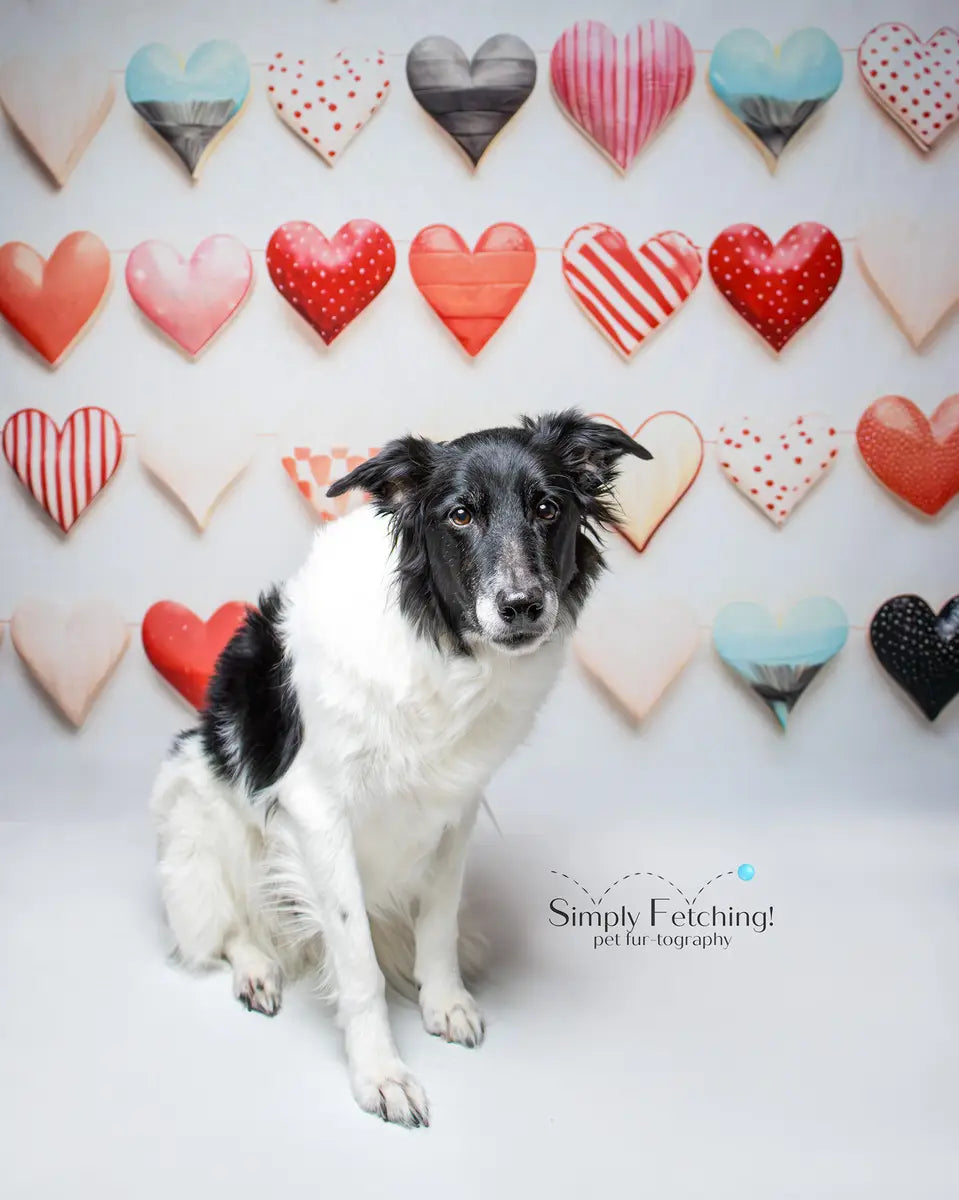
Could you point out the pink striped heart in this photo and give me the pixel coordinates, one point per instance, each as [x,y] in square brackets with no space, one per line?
[619,94]
[63,469]
[628,296]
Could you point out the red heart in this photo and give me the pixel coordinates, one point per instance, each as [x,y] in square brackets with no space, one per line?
[184,649]
[916,457]
[776,288]
[330,282]
[472,291]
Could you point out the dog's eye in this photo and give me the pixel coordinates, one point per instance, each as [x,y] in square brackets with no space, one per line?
[459,515]
[547,510]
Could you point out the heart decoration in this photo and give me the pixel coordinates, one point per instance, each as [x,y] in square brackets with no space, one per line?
[190,301]
[329,283]
[327,104]
[472,99]
[472,291]
[773,92]
[620,93]
[919,649]
[70,651]
[776,289]
[914,82]
[647,492]
[779,660]
[58,106]
[914,267]
[629,295]
[63,469]
[776,469]
[184,649]
[190,105]
[917,458]
[313,473]
[50,303]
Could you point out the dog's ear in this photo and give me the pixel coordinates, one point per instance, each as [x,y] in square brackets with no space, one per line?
[391,476]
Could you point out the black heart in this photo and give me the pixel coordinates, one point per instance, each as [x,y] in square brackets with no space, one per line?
[919,650]
[472,100]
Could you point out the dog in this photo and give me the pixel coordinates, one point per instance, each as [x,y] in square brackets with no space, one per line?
[317,817]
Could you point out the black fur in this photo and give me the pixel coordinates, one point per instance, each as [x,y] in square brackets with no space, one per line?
[183,737]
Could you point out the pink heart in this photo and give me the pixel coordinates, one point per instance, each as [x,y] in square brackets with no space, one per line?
[915,82]
[191,300]
[619,94]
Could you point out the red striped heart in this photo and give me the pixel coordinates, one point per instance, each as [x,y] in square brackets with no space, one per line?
[628,296]
[63,469]
[183,648]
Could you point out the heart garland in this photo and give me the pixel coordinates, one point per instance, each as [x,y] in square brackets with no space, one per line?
[312,473]
[914,456]
[919,649]
[184,649]
[914,82]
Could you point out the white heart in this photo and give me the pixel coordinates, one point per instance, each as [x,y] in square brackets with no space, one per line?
[775,466]
[58,106]
[328,104]
[70,651]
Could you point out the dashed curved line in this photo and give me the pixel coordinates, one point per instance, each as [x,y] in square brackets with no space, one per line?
[721,875]
[652,875]
[578,884]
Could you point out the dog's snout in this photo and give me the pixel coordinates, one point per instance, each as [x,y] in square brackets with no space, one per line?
[524,606]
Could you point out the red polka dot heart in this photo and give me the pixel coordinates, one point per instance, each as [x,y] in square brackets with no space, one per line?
[915,82]
[330,281]
[776,289]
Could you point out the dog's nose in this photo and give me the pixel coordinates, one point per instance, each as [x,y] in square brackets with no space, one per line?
[524,606]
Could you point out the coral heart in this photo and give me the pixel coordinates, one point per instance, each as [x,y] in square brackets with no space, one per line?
[776,288]
[619,94]
[647,492]
[313,473]
[916,457]
[63,469]
[774,92]
[58,106]
[776,469]
[779,660]
[472,100]
[189,105]
[629,295]
[184,649]
[914,82]
[71,651]
[472,291]
[49,303]
[919,649]
[330,282]
[191,300]
[327,104]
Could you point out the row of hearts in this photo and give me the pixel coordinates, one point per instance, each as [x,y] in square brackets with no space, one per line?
[73,652]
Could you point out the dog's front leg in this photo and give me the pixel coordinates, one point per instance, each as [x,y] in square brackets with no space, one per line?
[381,1082]
[449,1011]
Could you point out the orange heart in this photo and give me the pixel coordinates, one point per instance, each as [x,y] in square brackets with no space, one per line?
[50,302]
[915,456]
[312,473]
[184,649]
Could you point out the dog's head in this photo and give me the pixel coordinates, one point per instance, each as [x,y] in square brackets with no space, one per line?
[493,529]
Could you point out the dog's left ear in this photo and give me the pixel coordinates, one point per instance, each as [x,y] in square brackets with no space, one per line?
[391,476]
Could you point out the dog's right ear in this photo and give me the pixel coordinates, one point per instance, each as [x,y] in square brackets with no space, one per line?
[392,476]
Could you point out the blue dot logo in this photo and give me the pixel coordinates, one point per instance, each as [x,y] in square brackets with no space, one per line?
[746,872]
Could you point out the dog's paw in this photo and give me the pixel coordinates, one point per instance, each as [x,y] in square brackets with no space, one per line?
[258,985]
[452,1015]
[389,1091]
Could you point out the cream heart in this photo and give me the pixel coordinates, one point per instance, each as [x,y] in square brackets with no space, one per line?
[776,469]
[58,106]
[647,492]
[327,104]
[70,651]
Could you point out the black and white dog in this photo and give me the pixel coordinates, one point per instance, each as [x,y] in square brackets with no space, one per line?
[326,798]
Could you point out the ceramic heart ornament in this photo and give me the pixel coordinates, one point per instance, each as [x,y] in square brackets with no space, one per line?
[190,300]
[779,659]
[327,103]
[472,291]
[190,105]
[70,651]
[63,469]
[620,92]
[916,457]
[57,105]
[51,302]
[775,466]
[629,294]
[647,492]
[776,289]
[184,649]
[773,91]
[919,649]
[329,283]
[313,471]
[472,99]
[914,82]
